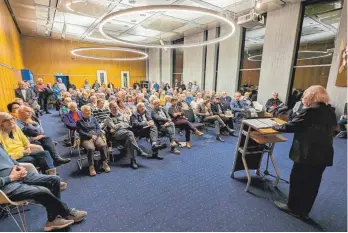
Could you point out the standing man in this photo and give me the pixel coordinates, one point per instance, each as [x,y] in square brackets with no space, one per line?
[195,88]
[41,90]
[155,86]
[61,85]
[26,94]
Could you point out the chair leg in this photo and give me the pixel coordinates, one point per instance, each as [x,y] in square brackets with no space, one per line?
[22,226]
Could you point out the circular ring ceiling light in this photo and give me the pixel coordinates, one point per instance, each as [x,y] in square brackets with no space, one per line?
[187,9]
[143,57]
[323,54]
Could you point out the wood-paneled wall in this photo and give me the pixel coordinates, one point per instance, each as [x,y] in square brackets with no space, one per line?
[10,55]
[47,57]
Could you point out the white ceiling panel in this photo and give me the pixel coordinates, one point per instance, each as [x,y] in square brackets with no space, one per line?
[118,26]
[307,21]
[144,32]
[133,38]
[137,3]
[222,3]
[58,27]
[240,6]
[42,2]
[75,30]
[205,19]
[74,19]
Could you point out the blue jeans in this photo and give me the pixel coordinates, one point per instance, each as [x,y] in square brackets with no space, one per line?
[48,145]
[341,124]
[44,189]
[42,159]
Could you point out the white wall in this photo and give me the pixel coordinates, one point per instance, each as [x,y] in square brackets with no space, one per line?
[338,95]
[193,59]
[154,65]
[229,60]
[210,63]
[279,51]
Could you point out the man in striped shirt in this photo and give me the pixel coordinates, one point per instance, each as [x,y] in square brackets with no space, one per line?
[101,112]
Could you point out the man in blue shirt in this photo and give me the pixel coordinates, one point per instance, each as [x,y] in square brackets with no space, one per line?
[155,86]
[19,185]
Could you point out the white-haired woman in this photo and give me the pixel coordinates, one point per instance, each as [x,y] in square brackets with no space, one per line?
[311,150]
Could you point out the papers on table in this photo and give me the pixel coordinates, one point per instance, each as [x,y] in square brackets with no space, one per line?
[261,123]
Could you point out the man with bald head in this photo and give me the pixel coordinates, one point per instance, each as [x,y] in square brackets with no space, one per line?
[26,94]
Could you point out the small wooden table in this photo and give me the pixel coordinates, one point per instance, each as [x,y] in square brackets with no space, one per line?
[249,153]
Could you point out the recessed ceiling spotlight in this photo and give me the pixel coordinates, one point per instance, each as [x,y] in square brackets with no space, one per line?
[132,1]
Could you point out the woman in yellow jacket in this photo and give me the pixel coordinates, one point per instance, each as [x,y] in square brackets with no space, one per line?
[162,98]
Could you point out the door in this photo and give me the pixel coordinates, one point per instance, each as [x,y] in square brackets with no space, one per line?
[65,80]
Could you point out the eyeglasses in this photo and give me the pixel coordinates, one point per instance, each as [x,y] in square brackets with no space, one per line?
[8,120]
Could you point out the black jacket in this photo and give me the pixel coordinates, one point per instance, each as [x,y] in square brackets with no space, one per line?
[157,118]
[313,127]
[215,110]
[137,120]
[271,101]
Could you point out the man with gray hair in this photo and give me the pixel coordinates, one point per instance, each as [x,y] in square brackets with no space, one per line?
[143,126]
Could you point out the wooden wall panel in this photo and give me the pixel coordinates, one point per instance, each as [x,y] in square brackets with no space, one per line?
[47,57]
[10,55]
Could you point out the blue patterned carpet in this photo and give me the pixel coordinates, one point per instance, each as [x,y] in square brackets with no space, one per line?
[191,192]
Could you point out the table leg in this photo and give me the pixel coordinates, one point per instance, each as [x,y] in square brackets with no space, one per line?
[247,173]
[276,170]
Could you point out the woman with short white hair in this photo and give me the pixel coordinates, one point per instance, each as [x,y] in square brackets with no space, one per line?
[311,150]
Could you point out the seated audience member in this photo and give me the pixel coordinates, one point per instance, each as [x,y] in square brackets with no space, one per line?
[32,128]
[164,124]
[26,94]
[239,106]
[96,85]
[84,100]
[92,102]
[248,100]
[194,105]
[20,185]
[70,119]
[13,109]
[90,135]
[275,105]
[342,123]
[101,112]
[167,103]
[225,100]
[124,110]
[206,115]
[64,109]
[119,129]
[143,126]
[181,102]
[130,103]
[18,147]
[189,97]
[200,97]
[218,109]
[180,122]
[162,98]
[295,110]
[195,88]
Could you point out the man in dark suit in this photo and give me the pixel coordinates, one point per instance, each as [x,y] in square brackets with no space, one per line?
[26,94]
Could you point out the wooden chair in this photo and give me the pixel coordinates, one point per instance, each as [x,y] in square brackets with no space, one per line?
[7,206]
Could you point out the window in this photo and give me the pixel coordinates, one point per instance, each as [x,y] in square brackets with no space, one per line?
[178,62]
[251,58]
[320,23]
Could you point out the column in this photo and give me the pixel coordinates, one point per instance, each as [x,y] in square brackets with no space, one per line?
[210,68]
[193,60]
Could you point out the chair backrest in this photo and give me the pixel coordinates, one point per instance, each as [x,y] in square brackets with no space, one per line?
[258,107]
[189,115]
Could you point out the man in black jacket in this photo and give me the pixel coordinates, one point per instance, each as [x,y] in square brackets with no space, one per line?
[311,150]
[143,126]
[164,124]
[275,105]
[218,109]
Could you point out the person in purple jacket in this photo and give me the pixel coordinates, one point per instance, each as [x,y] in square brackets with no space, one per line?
[70,119]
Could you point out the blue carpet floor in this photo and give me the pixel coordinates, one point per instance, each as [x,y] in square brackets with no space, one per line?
[191,192]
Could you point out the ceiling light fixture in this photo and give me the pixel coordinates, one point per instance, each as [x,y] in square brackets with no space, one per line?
[143,57]
[176,8]
[68,6]
[323,54]
[258,4]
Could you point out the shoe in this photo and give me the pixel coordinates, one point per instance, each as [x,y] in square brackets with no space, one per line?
[229,129]
[106,167]
[47,112]
[155,155]
[58,223]
[158,146]
[76,215]
[173,144]
[134,164]
[175,151]
[284,207]
[218,138]
[341,134]
[144,154]
[198,133]
[63,186]
[188,145]
[232,134]
[92,171]
[59,161]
